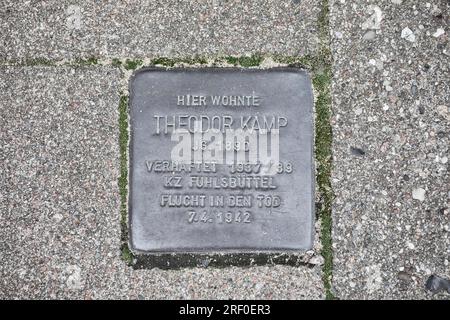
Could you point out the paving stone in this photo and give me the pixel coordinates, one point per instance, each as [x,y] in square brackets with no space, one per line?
[60,219]
[71,29]
[391,212]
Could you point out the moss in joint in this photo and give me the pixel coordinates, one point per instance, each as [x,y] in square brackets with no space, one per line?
[171,62]
[123,178]
[116,62]
[245,61]
[322,82]
[132,64]
[323,142]
[312,63]
[126,254]
[36,62]
[167,62]
[123,145]
[87,62]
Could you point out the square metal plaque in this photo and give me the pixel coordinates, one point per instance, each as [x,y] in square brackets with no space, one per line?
[221,160]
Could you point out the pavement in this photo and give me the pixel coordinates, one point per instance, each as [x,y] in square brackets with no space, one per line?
[60,30]
[391,138]
[60,160]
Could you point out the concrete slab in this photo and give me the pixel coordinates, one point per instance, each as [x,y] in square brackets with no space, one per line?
[391,147]
[130,29]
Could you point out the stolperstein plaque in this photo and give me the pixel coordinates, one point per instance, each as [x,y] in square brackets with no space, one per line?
[221,160]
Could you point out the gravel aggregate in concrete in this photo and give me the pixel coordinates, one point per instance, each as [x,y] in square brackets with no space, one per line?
[131,29]
[390,101]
